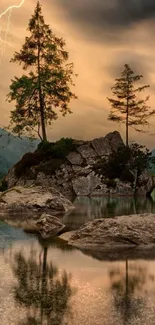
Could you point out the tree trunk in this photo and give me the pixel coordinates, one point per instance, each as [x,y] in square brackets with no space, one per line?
[127,133]
[127,116]
[41,101]
[127,123]
[42,115]
[135,181]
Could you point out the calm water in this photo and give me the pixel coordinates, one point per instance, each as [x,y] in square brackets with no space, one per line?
[50,283]
[88,209]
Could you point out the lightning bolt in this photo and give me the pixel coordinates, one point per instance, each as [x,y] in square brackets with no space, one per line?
[3,40]
[10,8]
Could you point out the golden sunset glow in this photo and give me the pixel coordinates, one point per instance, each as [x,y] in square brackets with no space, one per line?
[100,39]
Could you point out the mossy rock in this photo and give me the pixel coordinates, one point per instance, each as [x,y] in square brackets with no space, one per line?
[59,149]
[49,167]
[27,161]
[46,151]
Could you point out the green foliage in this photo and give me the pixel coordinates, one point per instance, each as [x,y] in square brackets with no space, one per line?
[50,155]
[124,162]
[111,183]
[44,146]
[127,176]
[47,85]
[126,106]
[62,148]
[3,185]
[141,158]
[59,149]
[113,167]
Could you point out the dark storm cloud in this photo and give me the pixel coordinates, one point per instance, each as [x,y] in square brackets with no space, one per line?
[139,63]
[112,14]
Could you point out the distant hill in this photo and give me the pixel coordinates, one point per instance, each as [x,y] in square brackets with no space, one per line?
[12,149]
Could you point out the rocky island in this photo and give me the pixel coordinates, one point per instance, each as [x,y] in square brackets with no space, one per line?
[73,168]
[39,184]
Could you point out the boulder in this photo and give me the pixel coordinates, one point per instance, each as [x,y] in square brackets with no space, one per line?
[146,183]
[106,145]
[123,231]
[33,201]
[75,158]
[91,161]
[115,140]
[86,151]
[123,188]
[85,185]
[101,146]
[11,177]
[49,226]
[82,171]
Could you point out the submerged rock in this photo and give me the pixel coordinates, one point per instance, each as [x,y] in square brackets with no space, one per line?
[32,202]
[49,226]
[123,231]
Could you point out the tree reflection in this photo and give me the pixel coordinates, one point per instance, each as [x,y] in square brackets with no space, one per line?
[87,209]
[126,287]
[41,289]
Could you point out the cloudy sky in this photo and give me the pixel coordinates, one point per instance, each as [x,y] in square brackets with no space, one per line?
[101,37]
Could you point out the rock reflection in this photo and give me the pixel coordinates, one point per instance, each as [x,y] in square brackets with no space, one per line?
[87,209]
[41,289]
[129,290]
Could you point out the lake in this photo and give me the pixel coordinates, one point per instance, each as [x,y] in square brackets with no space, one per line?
[87,209]
[51,283]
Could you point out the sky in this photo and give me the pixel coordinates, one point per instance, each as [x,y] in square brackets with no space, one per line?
[101,36]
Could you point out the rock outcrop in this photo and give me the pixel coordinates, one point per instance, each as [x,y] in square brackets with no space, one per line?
[124,231]
[49,226]
[75,174]
[32,202]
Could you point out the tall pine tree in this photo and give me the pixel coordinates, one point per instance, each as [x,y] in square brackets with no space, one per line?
[126,107]
[47,85]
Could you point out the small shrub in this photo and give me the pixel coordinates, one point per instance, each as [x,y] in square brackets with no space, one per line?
[45,146]
[111,183]
[59,149]
[127,176]
[109,169]
[125,159]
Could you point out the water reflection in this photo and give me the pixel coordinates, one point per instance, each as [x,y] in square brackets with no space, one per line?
[87,209]
[41,289]
[127,289]
[50,283]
